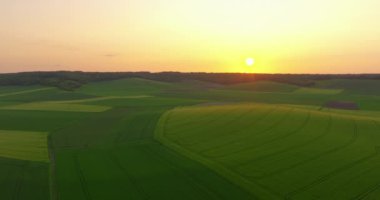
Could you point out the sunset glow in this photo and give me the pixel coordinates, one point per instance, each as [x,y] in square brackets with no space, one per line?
[294,36]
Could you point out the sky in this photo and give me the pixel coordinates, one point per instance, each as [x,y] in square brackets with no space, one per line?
[281,36]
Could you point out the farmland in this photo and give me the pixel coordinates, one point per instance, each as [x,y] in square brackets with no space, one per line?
[280,150]
[146,139]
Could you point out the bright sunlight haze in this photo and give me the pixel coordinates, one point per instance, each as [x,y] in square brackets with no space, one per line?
[293,36]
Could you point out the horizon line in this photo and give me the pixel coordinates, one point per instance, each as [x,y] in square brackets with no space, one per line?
[184,72]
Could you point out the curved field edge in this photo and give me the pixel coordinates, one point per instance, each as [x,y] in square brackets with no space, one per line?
[258,191]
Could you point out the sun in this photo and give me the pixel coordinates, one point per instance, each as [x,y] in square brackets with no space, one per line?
[250,61]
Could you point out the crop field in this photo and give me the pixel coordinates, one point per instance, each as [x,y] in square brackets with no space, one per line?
[23,145]
[141,139]
[280,151]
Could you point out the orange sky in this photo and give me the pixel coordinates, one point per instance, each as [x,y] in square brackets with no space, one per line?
[292,36]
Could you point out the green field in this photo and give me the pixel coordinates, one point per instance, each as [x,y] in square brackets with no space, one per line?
[24,145]
[140,139]
[279,150]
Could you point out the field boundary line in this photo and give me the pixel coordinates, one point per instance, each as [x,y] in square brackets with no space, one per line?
[255,189]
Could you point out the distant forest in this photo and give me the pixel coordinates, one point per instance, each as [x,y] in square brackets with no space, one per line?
[71,80]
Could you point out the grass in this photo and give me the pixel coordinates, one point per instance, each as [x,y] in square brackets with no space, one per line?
[279,151]
[24,145]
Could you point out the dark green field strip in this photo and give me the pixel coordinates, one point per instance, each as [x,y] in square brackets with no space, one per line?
[102,178]
[46,95]
[162,173]
[9,176]
[147,171]
[68,180]
[130,176]
[206,178]
[172,171]
[98,129]
[35,183]
[23,180]
[119,125]
[37,120]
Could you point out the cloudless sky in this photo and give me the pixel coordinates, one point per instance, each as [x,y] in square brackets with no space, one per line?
[283,36]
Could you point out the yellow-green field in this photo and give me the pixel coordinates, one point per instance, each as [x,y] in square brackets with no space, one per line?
[24,145]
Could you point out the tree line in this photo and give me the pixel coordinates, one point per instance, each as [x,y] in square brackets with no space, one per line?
[71,80]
